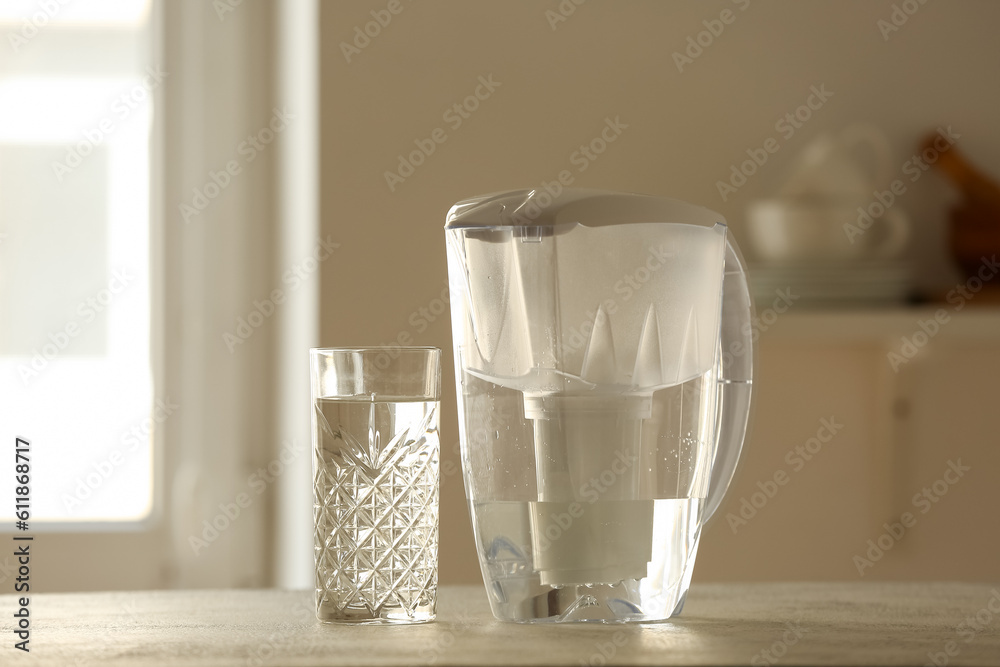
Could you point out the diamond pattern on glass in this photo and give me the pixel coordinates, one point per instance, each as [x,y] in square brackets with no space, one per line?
[376,509]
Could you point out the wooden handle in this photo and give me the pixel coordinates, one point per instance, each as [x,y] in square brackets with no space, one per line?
[973,183]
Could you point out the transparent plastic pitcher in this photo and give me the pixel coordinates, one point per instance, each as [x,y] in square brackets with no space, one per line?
[603,355]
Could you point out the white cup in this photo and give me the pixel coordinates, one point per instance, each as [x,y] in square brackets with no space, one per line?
[792,230]
[846,164]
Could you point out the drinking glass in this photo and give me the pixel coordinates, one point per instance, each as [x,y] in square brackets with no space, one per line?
[375,482]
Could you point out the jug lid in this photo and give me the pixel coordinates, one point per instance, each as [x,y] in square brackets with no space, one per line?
[554,205]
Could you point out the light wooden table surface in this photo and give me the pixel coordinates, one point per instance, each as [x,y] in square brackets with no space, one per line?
[722,624]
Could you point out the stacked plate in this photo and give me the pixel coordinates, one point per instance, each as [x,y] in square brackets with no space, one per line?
[832,282]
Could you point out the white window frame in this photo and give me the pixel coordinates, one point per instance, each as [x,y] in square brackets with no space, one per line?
[205,274]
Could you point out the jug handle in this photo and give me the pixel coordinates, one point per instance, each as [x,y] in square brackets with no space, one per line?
[736,361]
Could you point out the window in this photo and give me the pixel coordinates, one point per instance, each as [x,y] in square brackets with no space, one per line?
[144,424]
[76,114]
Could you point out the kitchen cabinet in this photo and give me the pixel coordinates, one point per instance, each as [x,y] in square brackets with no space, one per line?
[874,451]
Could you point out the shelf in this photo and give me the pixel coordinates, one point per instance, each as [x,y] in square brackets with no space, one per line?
[878,323]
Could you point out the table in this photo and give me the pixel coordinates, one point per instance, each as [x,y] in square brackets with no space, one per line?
[722,624]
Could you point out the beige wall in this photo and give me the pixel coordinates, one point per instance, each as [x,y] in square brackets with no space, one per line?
[557,87]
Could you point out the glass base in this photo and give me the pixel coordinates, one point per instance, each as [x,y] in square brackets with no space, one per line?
[384,616]
[590,603]
[533,555]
